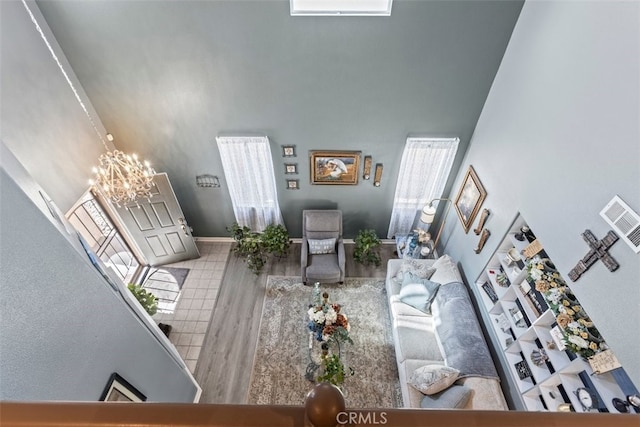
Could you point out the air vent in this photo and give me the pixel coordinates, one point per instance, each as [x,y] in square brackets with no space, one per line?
[624,221]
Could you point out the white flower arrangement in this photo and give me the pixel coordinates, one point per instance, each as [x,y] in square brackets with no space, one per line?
[578,341]
[326,319]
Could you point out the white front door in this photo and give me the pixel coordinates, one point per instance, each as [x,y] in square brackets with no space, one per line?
[157,229]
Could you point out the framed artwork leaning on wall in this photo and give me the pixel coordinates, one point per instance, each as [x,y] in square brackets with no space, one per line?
[469,198]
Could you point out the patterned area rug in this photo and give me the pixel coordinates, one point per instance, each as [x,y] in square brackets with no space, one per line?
[281,359]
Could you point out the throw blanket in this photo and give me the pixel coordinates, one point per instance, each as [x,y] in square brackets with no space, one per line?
[459,334]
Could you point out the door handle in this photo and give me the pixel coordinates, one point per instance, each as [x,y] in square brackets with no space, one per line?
[186,228]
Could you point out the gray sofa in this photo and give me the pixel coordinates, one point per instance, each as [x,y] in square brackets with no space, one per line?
[450,336]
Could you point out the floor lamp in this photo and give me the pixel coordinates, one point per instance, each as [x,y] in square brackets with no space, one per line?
[429,213]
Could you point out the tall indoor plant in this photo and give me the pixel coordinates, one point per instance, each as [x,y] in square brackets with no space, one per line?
[367,248]
[275,240]
[255,247]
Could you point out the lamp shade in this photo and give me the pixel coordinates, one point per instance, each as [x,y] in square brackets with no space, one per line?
[428,214]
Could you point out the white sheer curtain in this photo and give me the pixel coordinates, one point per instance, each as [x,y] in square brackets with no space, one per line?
[424,170]
[248,169]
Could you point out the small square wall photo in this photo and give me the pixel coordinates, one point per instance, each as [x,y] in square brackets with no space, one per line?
[291,168]
[292,184]
[288,151]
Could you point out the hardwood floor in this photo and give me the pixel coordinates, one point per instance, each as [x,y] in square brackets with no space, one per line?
[226,359]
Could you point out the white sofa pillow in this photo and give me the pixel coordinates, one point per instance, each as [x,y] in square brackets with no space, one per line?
[446,271]
[431,379]
[418,268]
[322,246]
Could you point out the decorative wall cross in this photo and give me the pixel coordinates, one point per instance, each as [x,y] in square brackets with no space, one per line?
[598,252]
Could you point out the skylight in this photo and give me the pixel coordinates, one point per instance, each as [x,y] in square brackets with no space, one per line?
[341,7]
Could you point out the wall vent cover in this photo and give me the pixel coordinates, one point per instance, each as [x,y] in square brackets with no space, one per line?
[624,221]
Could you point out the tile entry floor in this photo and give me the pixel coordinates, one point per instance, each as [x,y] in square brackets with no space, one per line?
[190,319]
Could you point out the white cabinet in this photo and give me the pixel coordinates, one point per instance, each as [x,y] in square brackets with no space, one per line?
[523,322]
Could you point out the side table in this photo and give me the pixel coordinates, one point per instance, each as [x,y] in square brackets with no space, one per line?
[403,246]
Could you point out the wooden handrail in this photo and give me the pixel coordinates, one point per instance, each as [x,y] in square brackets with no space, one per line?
[111,414]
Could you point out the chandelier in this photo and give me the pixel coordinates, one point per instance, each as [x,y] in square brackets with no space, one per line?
[122,178]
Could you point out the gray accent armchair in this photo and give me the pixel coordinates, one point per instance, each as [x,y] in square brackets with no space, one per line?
[327,268]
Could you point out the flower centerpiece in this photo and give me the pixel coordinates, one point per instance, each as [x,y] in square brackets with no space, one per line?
[326,321]
[423,235]
[580,334]
[331,327]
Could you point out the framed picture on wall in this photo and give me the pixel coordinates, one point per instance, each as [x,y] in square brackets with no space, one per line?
[290,168]
[288,151]
[469,198]
[334,167]
[120,390]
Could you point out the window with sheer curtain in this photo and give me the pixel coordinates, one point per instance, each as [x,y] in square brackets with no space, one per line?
[424,170]
[248,170]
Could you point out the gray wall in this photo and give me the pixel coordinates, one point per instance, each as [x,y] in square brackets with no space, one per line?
[557,139]
[41,121]
[167,77]
[64,329]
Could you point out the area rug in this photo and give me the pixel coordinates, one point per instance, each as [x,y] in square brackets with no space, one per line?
[278,376]
[174,275]
[165,283]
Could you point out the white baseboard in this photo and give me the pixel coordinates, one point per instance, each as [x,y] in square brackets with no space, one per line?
[214,239]
[294,240]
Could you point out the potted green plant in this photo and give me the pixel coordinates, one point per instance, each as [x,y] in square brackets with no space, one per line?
[255,247]
[367,248]
[275,239]
[248,245]
[333,370]
[147,300]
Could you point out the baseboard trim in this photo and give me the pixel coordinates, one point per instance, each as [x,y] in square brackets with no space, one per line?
[294,240]
[214,239]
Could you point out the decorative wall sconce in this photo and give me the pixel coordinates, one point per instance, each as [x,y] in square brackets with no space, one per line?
[483,218]
[207,181]
[483,239]
[366,173]
[378,175]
